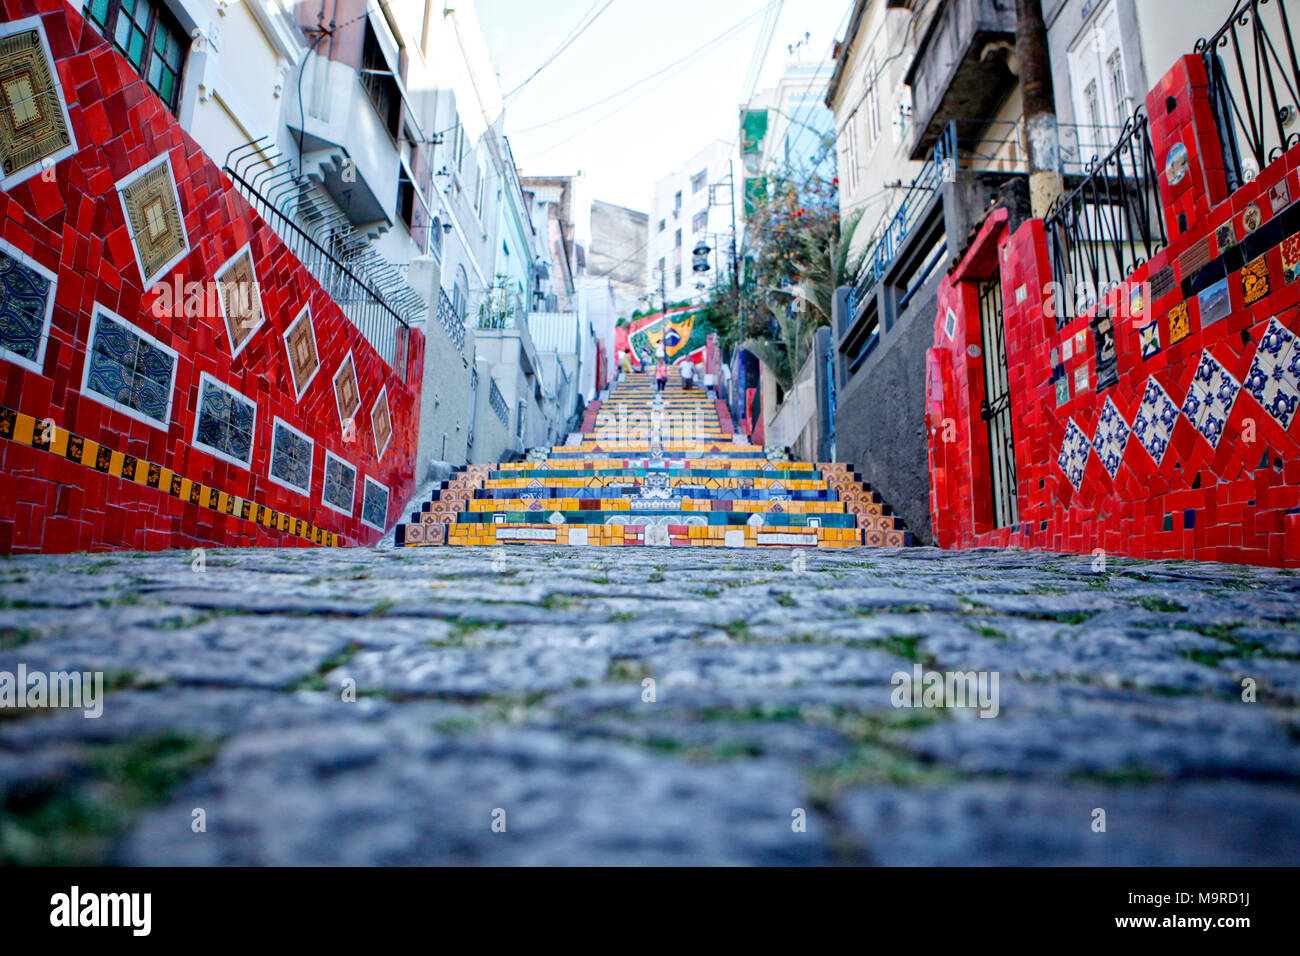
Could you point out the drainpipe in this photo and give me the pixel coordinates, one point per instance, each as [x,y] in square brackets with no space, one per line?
[1039,106]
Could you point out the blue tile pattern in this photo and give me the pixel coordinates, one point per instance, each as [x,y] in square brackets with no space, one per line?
[24,296]
[1155,420]
[129,370]
[340,484]
[1111,437]
[226,422]
[1274,376]
[291,458]
[1209,400]
[374,506]
[1074,453]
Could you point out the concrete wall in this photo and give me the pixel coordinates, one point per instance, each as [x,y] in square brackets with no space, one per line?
[880,415]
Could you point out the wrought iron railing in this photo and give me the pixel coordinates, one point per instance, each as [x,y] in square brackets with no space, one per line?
[1254,85]
[473,409]
[369,290]
[1110,224]
[450,321]
[887,244]
[497,401]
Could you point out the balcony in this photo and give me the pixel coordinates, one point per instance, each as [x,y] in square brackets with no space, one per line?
[960,67]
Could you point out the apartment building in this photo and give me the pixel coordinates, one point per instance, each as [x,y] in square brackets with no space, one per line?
[684,215]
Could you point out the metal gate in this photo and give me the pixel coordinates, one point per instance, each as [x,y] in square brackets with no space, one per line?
[996,407]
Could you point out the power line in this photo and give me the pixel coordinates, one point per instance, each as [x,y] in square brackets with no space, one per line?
[683,64]
[740,25]
[761,50]
[581,28]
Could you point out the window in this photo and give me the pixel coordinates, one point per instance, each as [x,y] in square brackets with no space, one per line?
[662,266]
[700,221]
[699,180]
[677,203]
[678,239]
[406,199]
[1094,104]
[146,33]
[291,454]
[374,505]
[519,420]
[662,224]
[379,83]
[223,424]
[340,484]
[677,276]
[129,370]
[851,154]
[871,107]
[1118,88]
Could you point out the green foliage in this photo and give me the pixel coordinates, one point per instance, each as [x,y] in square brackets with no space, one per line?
[798,255]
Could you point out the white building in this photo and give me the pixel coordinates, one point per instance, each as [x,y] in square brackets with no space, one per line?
[682,216]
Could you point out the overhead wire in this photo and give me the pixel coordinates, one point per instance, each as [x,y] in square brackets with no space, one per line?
[579,29]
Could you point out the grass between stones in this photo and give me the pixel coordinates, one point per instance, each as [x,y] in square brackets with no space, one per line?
[627,669]
[1161,605]
[75,823]
[11,637]
[316,679]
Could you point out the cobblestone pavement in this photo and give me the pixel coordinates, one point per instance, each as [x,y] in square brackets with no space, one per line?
[509,685]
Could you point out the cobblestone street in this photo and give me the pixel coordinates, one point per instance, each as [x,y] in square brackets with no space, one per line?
[509,685]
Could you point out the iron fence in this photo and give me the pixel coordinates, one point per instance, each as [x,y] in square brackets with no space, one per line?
[369,290]
[1254,86]
[939,168]
[497,401]
[1108,225]
[450,321]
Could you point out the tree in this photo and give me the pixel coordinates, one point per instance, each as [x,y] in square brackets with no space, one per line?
[798,256]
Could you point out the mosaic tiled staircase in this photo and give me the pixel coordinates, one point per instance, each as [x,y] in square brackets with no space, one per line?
[649,469]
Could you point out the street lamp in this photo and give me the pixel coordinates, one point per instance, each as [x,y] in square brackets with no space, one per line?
[701,254]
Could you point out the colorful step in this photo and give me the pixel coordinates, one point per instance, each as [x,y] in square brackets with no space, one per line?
[651,468]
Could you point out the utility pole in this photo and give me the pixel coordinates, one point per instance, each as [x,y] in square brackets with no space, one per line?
[735,257]
[1045,181]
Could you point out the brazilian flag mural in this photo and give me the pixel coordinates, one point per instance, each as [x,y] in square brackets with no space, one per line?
[682,334]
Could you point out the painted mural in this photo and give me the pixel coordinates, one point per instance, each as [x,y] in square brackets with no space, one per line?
[682,334]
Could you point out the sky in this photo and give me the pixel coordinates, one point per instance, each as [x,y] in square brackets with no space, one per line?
[624,145]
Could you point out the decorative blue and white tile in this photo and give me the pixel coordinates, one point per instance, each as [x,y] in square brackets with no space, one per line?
[1275,347]
[1274,376]
[1155,420]
[1111,437]
[1074,453]
[1209,401]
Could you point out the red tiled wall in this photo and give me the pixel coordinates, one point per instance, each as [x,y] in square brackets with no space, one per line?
[74,225]
[1239,501]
